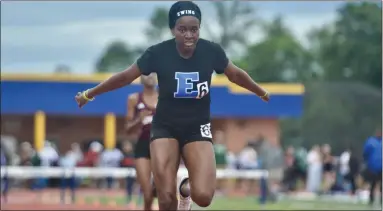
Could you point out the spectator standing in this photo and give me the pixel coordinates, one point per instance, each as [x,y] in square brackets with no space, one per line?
[289,179]
[372,154]
[128,161]
[220,152]
[110,158]
[354,167]
[328,167]
[314,176]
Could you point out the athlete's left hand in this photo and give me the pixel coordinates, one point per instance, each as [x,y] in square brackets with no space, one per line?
[266,97]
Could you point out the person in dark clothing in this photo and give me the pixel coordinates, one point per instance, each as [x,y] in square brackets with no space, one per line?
[329,173]
[289,179]
[128,162]
[372,154]
[354,170]
[181,126]
[3,180]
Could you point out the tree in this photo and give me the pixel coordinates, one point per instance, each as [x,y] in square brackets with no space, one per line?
[278,57]
[158,29]
[342,114]
[116,57]
[338,109]
[235,19]
[350,49]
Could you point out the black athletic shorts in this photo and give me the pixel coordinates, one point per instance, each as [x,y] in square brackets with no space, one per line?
[183,133]
[142,149]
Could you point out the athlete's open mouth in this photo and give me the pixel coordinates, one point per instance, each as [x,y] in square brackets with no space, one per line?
[189,44]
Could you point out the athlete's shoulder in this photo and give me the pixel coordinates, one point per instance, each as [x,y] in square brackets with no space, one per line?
[148,61]
[216,53]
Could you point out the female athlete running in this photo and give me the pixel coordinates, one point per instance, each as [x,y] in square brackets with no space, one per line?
[181,125]
[141,108]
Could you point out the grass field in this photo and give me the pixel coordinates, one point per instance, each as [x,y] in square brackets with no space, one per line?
[247,203]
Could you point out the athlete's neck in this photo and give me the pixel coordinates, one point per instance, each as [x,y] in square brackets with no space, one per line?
[184,53]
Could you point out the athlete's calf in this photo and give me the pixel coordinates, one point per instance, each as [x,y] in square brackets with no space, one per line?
[165,161]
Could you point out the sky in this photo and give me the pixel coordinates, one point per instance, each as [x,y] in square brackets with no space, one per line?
[36,36]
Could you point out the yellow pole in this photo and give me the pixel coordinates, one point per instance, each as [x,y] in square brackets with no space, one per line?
[110,131]
[39,130]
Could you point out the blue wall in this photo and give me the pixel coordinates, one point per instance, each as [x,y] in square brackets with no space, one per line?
[26,97]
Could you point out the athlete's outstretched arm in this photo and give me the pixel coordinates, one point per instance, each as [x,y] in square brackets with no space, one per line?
[241,78]
[118,80]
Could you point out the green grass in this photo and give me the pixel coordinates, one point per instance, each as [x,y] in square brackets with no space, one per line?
[248,203]
[252,204]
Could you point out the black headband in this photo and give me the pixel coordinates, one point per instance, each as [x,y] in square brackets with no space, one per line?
[183,8]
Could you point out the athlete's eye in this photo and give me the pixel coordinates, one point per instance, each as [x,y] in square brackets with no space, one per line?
[182,30]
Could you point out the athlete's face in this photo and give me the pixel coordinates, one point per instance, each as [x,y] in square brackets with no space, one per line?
[186,32]
[149,80]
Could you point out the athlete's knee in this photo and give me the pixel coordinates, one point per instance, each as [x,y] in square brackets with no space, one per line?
[148,196]
[166,198]
[203,196]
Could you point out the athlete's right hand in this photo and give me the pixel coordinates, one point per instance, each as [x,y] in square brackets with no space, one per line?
[82,98]
[144,114]
[81,101]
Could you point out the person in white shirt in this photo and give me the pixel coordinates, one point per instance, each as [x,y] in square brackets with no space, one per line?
[314,176]
[48,154]
[247,158]
[72,157]
[110,158]
[70,160]
[344,160]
